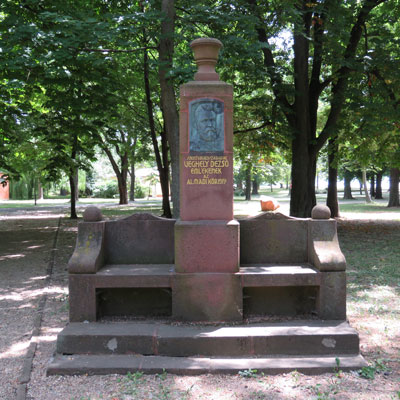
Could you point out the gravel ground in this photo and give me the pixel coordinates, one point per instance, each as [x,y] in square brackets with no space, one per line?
[25,247]
[25,251]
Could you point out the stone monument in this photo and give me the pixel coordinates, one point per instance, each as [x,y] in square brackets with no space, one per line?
[206,236]
[143,268]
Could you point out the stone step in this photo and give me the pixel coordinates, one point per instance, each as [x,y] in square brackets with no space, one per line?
[289,338]
[122,364]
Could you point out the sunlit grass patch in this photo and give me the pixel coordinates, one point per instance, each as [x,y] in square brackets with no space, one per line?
[365,208]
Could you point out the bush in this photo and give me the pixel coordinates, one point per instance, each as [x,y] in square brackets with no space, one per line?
[108,190]
[140,192]
[239,192]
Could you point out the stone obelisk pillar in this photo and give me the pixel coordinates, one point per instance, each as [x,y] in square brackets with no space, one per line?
[206,237]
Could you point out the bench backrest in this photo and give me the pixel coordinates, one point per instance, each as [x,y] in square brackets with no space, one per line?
[147,239]
[139,239]
[273,238]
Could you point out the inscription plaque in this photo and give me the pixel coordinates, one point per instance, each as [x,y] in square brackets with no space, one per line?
[206,126]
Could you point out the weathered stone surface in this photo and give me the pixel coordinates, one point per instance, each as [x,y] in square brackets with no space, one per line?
[207,297]
[206,54]
[82,298]
[273,240]
[321,211]
[323,246]
[289,338]
[92,214]
[140,239]
[331,301]
[207,246]
[272,275]
[279,301]
[122,364]
[88,256]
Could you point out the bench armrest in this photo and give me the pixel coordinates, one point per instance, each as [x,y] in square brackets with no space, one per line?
[88,256]
[323,246]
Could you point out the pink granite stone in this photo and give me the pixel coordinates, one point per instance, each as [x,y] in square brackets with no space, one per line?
[207,246]
[206,181]
[207,297]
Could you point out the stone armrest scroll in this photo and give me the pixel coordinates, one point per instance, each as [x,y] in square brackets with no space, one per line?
[323,245]
[88,256]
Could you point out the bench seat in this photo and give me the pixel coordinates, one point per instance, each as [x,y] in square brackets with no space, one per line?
[162,275]
[265,275]
[135,275]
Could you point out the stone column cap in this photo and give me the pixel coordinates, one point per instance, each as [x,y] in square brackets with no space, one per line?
[206,55]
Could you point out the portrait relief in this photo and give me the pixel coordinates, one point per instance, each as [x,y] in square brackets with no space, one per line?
[206,125]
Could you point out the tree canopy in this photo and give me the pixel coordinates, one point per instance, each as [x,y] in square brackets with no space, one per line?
[80,75]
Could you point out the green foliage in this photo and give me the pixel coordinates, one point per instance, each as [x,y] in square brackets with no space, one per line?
[71,79]
[131,383]
[377,368]
[248,373]
[140,191]
[108,190]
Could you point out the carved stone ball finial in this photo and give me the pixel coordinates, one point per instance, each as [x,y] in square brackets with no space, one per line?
[92,214]
[206,55]
[321,212]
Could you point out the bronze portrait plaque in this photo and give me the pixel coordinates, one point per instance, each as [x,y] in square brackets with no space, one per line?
[206,126]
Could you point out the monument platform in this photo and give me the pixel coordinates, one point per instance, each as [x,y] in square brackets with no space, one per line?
[308,346]
[206,274]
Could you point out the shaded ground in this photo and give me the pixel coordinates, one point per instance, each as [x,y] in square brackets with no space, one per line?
[372,250]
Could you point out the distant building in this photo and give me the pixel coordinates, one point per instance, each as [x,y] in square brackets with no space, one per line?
[4,189]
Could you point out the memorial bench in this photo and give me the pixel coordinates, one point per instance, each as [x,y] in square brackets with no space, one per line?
[288,266]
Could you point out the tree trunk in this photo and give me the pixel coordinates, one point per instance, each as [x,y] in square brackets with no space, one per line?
[168,100]
[254,187]
[378,189]
[364,180]
[161,159]
[304,160]
[123,187]
[332,199]
[347,185]
[248,183]
[372,185]
[120,173]
[302,114]
[302,193]
[73,196]
[76,181]
[394,188]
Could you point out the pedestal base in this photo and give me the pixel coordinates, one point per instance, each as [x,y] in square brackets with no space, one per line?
[207,297]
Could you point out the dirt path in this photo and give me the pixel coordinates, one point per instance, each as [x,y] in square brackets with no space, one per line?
[25,248]
[25,253]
